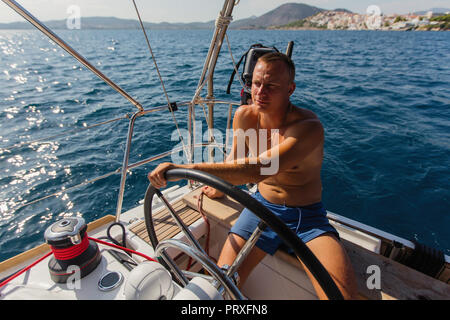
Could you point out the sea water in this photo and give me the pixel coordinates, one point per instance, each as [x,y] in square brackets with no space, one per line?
[383,99]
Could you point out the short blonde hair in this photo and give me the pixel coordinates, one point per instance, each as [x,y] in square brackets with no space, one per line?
[278,56]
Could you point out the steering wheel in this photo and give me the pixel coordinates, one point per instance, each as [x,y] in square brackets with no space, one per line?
[286,235]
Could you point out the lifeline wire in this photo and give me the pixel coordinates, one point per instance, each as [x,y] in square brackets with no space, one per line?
[58,193]
[21,144]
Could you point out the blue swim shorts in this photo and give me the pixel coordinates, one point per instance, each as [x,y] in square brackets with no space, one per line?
[308,222]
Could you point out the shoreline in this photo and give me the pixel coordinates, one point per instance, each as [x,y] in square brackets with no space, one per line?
[325,29]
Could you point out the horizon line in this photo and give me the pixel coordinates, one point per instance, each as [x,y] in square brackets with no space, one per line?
[189,22]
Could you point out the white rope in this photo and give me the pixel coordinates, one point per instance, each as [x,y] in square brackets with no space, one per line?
[222,21]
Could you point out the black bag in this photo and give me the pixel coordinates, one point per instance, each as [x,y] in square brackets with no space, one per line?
[251,56]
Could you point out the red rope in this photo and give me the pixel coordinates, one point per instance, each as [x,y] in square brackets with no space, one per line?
[123,248]
[24,269]
[71,252]
[86,239]
[200,209]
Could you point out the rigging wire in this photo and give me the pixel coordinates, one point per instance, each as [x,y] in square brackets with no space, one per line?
[36,23]
[221,22]
[58,193]
[64,133]
[234,63]
[160,78]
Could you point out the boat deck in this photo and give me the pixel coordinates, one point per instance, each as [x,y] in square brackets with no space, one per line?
[397,281]
[281,272]
[164,224]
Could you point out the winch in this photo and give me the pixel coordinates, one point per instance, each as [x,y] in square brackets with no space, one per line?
[72,249]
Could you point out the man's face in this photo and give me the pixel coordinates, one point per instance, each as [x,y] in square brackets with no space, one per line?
[271,86]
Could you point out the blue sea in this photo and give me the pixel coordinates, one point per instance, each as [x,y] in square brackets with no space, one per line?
[383,99]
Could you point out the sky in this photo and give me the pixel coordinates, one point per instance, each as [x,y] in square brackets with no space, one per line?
[195,10]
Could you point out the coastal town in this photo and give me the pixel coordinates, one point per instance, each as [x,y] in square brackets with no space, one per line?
[375,20]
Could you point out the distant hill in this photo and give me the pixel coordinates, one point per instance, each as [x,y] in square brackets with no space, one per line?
[435,11]
[342,10]
[284,14]
[111,23]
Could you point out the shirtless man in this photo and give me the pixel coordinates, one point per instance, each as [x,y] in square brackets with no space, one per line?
[294,192]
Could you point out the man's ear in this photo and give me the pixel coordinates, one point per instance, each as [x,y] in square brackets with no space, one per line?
[292,87]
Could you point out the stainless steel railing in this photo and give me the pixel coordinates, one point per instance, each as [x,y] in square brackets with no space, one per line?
[220,30]
[126,166]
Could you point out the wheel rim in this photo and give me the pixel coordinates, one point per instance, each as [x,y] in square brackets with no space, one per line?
[286,235]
